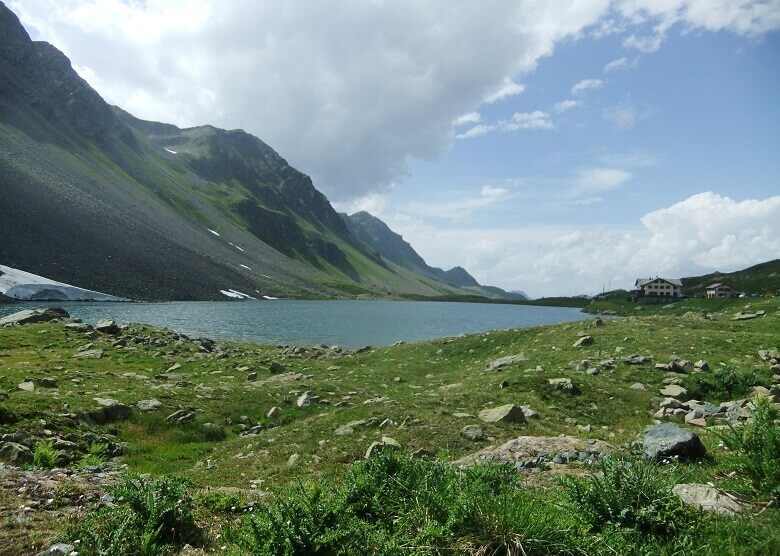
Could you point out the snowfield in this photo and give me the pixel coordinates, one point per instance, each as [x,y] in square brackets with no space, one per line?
[170,151]
[213,232]
[26,286]
[235,294]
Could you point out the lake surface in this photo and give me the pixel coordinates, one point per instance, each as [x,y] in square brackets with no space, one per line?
[345,323]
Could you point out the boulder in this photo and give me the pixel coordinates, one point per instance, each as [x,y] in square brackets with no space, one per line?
[274,413]
[637,360]
[681,366]
[744,316]
[29,316]
[59,549]
[509,413]
[276,367]
[14,453]
[107,326]
[673,391]
[500,364]
[669,440]
[638,386]
[707,498]
[387,443]
[26,386]
[306,399]
[109,410]
[701,365]
[149,405]
[180,416]
[472,432]
[564,384]
[530,451]
[583,341]
[89,354]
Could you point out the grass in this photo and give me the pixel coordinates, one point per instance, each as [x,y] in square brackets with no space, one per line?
[428,386]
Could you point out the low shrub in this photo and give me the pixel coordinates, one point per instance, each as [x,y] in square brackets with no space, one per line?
[45,455]
[721,384]
[95,456]
[632,494]
[755,449]
[147,516]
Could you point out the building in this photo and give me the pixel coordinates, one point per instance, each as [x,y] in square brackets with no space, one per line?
[718,291]
[657,290]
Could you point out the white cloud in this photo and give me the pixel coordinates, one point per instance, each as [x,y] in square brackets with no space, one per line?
[625,116]
[566,105]
[619,64]
[507,89]
[595,180]
[459,209]
[347,92]
[536,120]
[701,234]
[585,85]
[470,118]
[647,44]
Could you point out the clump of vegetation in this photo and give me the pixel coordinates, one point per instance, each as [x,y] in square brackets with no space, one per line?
[721,384]
[96,455]
[45,455]
[755,449]
[146,518]
[392,504]
[632,494]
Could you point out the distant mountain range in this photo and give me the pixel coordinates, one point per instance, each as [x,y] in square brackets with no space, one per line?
[93,197]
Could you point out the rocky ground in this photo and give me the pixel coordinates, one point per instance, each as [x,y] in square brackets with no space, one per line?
[549,400]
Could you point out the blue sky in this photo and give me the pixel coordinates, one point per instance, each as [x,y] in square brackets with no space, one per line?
[551,146]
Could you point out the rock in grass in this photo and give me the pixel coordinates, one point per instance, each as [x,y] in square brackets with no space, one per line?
[509,413]
[39,314]
[583,341]
[274,413]
[180,416]
[107,326]
[110,410]
[707,498]
[26,386]
[638,386]
[673,391]
[637,360]
[500,364]
[387,443]
[149,405]
[89,354]
[472,432]
[669,440]
[14,453]
[306,399]
[59,549]
[564,384]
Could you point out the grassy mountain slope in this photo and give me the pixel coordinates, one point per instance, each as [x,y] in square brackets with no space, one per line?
[758,279]
[90,195]
[391,246]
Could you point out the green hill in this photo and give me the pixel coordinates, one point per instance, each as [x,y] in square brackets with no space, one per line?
[759,279]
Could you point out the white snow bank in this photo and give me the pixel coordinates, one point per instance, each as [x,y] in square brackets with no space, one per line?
[170,151]
[236,246]
[213,232]
[246,267]
[26,286]
[235,294]
[269,297]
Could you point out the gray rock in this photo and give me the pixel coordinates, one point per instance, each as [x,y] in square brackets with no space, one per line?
[306,399]
[149,405]
[387,443]
[669,440]
[681,366]
[251,377]
[472,432]
[26,386]
[583,341]
[59,549]
[673,391]
[274,413]
[707,498]
[638,386]
[110,410]
[701,365]
[529,413]
[276,367]
[107,326]
[637,360]
[180,416]
[29,316]
[508,413]
[89,354]
[564,384]
[500,364]
[744,316]
[15,454]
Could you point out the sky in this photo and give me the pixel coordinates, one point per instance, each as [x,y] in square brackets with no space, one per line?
[554,147]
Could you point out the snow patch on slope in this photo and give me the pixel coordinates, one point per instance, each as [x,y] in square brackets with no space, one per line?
[26,286]
[213,232]
[170,151]
[235,294]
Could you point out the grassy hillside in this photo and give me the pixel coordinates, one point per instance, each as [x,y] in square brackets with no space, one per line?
[421,395]
[759,279]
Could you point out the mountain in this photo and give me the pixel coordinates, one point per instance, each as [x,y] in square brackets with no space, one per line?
[758,279]
[95,197]
[392,247]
